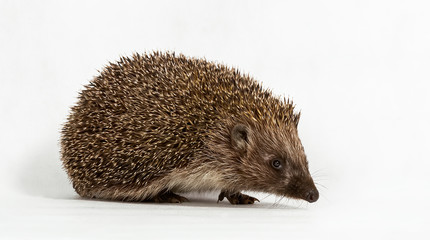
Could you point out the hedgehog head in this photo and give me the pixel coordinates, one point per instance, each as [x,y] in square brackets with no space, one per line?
[272,158]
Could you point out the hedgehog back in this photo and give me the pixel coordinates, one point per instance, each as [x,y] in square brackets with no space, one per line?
[145,116]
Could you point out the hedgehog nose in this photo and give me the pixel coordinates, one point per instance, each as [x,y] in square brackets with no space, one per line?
[312,196]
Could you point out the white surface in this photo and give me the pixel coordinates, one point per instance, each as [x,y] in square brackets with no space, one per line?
[358,70]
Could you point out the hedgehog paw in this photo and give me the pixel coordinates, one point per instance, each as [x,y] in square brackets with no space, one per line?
[168,197]
[237,198]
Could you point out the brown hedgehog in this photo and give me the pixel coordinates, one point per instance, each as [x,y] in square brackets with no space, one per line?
[154,125]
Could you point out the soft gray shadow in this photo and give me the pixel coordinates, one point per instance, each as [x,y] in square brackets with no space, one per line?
[43,175]
[198,200]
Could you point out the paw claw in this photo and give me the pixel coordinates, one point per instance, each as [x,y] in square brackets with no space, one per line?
[237,198]
[168,197]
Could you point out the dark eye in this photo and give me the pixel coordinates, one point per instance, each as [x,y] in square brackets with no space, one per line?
[276,164]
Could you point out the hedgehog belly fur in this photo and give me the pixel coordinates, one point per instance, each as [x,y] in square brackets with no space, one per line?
[199,180]
[180,180]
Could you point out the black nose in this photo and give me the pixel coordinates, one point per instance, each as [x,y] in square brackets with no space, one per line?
[312,196]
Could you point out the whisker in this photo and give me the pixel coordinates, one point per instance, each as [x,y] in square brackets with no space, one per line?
[321,177]
[319,184]
[318,174]
[325,177]
[283,205]
[274,204]
[281,200]
[266,197]
[277,202]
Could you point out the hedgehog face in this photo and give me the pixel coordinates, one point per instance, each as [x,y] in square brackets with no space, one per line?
[274,161]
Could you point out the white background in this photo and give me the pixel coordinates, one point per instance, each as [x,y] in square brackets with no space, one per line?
[358,70]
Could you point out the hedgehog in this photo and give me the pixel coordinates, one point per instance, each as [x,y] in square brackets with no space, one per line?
[153,125]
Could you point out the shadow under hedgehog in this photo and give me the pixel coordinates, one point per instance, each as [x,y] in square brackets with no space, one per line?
[154,125]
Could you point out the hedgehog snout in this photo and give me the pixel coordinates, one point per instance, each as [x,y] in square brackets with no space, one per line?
[303,188]
[312,195]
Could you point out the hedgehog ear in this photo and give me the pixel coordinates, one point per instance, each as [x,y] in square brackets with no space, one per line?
[239,137]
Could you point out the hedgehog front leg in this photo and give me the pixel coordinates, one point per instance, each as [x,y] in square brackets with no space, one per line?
[237,198]
[168,197]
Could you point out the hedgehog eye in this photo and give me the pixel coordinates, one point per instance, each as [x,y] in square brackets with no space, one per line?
[276,164]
